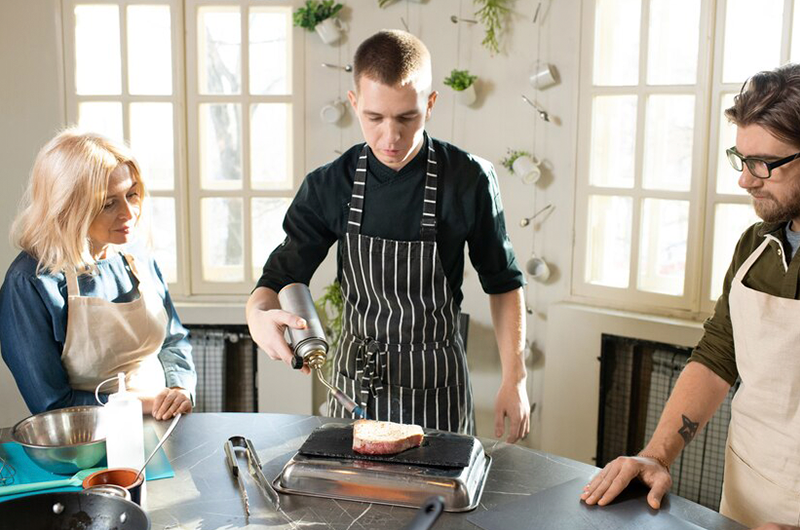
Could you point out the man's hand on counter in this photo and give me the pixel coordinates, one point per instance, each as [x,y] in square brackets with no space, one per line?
[512,402]
[615,477]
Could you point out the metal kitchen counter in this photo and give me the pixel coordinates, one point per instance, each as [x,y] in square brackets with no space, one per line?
[203,495]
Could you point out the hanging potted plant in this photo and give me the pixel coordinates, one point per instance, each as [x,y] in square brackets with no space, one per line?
[320,16]
[464,83]
[523,164]
[492,13]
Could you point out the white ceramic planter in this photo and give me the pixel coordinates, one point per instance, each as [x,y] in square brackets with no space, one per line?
[468,95]
[527,169]
[330,30]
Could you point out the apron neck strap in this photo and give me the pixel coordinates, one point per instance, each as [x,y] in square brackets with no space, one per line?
[750,260]
[73,288]
[72,282]
[357,197]
[128,258]
[428,222]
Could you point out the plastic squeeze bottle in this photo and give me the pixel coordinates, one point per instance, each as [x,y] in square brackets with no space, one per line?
[124,428]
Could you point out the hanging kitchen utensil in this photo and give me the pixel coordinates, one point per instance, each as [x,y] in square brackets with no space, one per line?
[456,19]
[527,220]
[427,514]
[346,68]
[542,113]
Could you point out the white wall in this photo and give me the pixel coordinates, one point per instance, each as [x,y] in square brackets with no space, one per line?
[31,110]
[572,373]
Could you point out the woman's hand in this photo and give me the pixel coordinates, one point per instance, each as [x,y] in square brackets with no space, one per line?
[170,402]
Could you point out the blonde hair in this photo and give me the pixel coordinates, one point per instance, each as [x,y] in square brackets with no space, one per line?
[67,189]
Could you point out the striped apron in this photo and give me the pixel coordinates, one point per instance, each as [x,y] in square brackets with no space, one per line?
[400,356]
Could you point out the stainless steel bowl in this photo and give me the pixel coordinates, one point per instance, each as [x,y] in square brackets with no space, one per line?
[64,441]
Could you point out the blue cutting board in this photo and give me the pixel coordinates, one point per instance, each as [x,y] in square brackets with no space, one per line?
[27,471]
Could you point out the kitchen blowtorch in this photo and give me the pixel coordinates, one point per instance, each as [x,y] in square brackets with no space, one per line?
[310,346]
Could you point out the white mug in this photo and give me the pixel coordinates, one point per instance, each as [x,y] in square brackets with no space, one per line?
[537,268]
[332,112]
[527,168]
[543,76]
[330,30]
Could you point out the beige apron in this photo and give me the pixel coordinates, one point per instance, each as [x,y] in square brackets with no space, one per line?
[105,338]
[762,456]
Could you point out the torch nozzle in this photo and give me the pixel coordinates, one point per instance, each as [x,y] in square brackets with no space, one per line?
[341,397]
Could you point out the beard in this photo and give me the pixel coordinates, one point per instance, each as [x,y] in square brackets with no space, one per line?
[772,210]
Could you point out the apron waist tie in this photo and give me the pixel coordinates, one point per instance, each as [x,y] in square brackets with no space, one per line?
[370,364]
[347,336]
[371,360]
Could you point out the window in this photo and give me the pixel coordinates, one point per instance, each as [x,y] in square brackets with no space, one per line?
[658,208]
[206,95]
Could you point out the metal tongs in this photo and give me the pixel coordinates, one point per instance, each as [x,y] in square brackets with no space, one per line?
[254,468]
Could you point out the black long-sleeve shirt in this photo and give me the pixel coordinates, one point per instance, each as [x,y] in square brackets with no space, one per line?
[469,212]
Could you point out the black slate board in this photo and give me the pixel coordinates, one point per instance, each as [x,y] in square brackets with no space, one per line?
[560,507]
[438,449]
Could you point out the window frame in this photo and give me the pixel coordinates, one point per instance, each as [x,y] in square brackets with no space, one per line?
[709,91]
[630,296]
[187,192]
[199,286]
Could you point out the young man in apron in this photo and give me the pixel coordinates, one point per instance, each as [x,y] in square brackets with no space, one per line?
[754,333]
[401,207]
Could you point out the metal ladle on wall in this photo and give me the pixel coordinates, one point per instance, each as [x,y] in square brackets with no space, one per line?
[542,113]
[527,220]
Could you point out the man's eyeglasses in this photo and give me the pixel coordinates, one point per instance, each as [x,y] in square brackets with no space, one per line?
[758,167]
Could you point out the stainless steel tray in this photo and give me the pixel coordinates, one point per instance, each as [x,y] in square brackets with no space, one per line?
[386,483]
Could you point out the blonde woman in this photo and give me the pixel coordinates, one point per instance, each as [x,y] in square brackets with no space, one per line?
[83,300]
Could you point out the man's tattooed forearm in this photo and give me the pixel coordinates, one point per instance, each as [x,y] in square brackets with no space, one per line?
[688,430]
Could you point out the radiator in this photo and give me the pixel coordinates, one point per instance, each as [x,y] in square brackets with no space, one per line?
[636,378]
[225,362]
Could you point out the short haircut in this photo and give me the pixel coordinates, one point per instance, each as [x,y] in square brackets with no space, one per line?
[67,189]
[771,99]
[393,58]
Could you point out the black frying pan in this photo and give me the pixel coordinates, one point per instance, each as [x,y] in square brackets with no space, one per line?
[70,510]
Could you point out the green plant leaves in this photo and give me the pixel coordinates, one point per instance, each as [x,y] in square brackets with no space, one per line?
[491,14]
[314,12]
[460,79]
